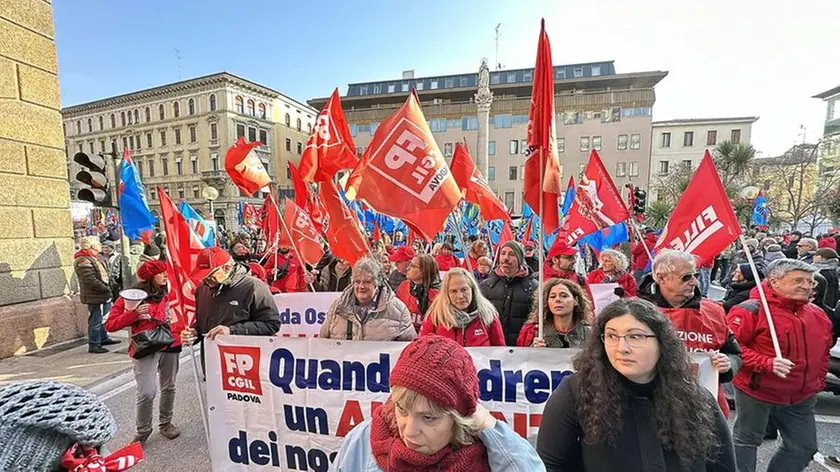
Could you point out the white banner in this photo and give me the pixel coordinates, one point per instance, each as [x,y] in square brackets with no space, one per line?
[602,295]
[285,404]
[302,314]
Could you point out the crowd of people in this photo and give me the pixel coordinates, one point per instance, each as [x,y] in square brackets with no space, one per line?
[628,408]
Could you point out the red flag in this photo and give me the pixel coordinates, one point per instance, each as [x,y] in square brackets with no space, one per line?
[377,235]
[306,200]
[269,220]
[597,204]
[343,233]
[527,235]
[402,173]
[506,234]
[703,222]
[245,168]
[304,236]
[182,248]
[330,147]
[474,187]
[542,168]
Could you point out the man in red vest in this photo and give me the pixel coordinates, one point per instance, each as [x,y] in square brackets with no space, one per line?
[701,323]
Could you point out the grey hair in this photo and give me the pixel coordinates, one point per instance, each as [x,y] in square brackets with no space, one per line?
[371,267]
[621,262]
[809,241]
[781,267]
[666,260]
[89,242]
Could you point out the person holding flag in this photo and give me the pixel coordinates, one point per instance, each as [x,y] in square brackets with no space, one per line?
[401,258]
[561,262]
[510,288]
[640,255]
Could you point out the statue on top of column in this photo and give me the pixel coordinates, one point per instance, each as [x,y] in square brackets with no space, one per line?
[484,97]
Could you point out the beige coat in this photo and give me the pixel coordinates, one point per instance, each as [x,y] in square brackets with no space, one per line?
[389,321]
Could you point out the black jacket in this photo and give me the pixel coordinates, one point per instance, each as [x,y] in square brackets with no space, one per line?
[511,296]
[829,270]
[328,281]
[637,448]
[242,303]
[93,280]
[790,250]
[738,292]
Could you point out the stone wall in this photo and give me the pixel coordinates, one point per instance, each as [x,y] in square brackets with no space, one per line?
[36,246]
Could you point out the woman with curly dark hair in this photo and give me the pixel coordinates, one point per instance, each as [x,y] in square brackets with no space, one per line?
[566,312]
[633,403]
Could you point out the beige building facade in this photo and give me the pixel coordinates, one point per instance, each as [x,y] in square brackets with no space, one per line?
[596,109]
[178,135]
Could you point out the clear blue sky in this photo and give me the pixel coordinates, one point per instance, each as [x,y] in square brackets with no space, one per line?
[725,57]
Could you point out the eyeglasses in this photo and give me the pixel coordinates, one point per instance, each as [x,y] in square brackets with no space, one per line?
[803,281]
[693,275]
[633,339]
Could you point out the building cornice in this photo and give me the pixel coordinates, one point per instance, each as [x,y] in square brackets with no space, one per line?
[704,121]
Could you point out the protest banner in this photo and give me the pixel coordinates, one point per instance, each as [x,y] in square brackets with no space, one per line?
[302,314]
[602,295]
[286,404]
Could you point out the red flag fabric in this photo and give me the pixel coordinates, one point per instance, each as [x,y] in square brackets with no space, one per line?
[83,459]
[330,147]
[245,168]
[403,174]
[703,222]
[269,220]
[304,236]
[377,235]
[528,228]
[506,234]
[182,248]
[597,204]
[474,187]
[542,167]
[343,233]
[306,200]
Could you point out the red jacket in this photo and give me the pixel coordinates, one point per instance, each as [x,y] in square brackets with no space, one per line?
[804,333]
[551,273]
[292,281]
[447,261]
[638,253]
[473,262]
[120,318]
[475,334]
[404,294]
[626,281]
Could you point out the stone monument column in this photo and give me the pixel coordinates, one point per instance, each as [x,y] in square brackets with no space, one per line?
[483,99]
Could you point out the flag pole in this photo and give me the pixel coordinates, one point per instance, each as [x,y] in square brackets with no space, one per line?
[641,238]
[205,421]
[762,296]
[291,240]
[541,250]
[464,249]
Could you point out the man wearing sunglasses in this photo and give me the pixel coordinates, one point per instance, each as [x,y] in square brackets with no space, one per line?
[672,286]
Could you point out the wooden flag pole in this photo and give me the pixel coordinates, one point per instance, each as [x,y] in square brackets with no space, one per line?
[762,296]
[291,241]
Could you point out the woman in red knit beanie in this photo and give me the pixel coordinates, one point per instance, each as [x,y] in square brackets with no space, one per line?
[432,421]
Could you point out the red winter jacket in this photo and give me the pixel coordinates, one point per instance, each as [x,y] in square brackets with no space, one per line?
[474,335]
[804,333]
[638,253]
[447,261]
[120,318]
[473,262]
[404,294]
[626,281]
[292,281]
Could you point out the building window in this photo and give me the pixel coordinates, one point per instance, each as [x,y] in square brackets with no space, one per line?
[90,125]
[666,140]
[620,169]
[191,107]
[125,143]
[122,120]
[514,146]
[434,84]
[214,132]
[561,144]
[136,117]
[377,89]
[711,137]
[688,138]
[528,76]
[212,102]
[251,107]
[148,140]
[81,147]
[491,148]
[511,77]
[560,73]
[161,112]
[622,142]
[404,87]
[289,144]
[465,81]
[240,131]
[214,161]
[192,134]
[163,138]
[176,109]
[634,169]
[101,123]
[288,120]
[140,171]
[194,163]
[102,145]
[469,123]
[261,109]
[114,121]
[391,88]
[447,149]
[129,117]
[513,172]
[578,71]
[686,164]
[584,143]
[735,136]
[299,148]
[151,168]
[635,141]
[596,71]
[663,167]
[147,114]
[90,147]
[298,124]
[491,174]
[309,128]
[449,82]
[252,134]
[181,193]
[179,166]
[131,142]
[164,166]
[238,104]
[177,136]
[419,86]
[510,200]
[596,143]
[196,193]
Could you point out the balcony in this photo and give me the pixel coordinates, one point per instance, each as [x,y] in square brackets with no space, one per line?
[214,177]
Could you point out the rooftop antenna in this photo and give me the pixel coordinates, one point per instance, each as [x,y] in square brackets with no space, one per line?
[498,33]
[178,58]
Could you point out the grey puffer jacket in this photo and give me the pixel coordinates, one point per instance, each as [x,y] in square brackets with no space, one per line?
[390,320]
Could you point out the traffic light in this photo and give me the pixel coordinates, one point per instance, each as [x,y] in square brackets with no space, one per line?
[639,201]
[93,174]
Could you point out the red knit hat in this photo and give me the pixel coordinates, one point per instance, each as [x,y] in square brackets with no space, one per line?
[441,370]
[149,269]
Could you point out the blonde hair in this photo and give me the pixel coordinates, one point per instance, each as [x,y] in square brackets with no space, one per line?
[485,260]
[89,242]
[464,431]
[441,311]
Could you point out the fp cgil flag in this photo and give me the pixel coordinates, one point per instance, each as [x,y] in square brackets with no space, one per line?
[305,199]
[304,236]
[403,174]
[330,147]
[343,233]
[474,187]
[597,203]
[245,168]
[703,222]
[137,219]
[182,248]
[542,169]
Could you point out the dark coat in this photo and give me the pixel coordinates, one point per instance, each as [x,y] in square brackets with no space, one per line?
[511,296]
[829,269]
[738,292]
[328,281]
[243,303]
[93,280]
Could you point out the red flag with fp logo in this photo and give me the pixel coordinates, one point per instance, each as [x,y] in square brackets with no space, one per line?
[303,234]
[343,233]
[305,199]
[703,222]
[597,204]
[330,147]
[182,248]
[403,174]
[245,168]
[474,186]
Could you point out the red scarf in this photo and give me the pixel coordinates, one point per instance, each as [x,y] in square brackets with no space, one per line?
[80,459]
[85,253]
[392,455]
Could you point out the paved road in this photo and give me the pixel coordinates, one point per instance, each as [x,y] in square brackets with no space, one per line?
[189,452]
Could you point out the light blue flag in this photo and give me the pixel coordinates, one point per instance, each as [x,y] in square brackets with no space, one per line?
[205,232]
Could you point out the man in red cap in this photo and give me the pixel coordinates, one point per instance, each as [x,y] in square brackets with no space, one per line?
[228,300]
[560,264]
[402,259]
